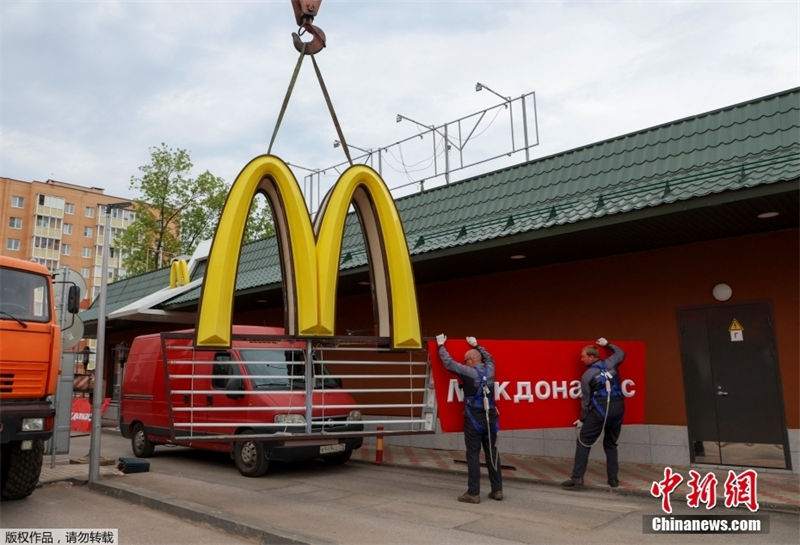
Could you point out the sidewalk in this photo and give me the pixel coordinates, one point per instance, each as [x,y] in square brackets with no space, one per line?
[776,490]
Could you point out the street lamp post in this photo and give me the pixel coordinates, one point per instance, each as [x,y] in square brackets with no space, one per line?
[97,414]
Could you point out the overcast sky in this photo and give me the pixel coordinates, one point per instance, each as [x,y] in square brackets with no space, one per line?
[88,87]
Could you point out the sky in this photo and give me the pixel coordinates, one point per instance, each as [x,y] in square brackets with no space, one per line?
[88,88]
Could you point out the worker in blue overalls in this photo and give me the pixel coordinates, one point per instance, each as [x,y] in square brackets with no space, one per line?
[602,410]
[480,416]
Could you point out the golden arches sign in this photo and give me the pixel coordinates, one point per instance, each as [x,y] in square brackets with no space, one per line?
[310,254]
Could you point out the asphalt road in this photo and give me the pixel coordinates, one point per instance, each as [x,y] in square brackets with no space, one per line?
[76,507]
[358,503]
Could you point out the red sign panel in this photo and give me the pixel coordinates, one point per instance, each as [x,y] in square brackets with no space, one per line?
[81,419]
[537,383]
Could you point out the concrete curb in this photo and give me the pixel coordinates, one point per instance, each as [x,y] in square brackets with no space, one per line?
[221,520]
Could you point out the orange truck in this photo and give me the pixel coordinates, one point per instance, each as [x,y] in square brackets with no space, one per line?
[30,352]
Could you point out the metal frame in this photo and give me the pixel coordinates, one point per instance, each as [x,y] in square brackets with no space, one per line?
[401,409]
[458,135]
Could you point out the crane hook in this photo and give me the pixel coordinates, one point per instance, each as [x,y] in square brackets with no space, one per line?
[304,13]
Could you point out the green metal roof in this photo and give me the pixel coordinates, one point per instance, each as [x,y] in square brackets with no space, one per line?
[747,145]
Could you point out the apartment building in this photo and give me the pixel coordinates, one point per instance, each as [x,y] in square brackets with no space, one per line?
[60,225]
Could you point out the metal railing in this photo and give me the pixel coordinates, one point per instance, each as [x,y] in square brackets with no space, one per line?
[269,387]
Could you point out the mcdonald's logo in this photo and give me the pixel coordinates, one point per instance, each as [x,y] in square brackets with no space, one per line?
[310,254]
[178,273]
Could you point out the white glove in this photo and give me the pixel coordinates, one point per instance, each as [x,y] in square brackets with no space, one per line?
[472,341]
[441,338]
[602,341]
[578,424]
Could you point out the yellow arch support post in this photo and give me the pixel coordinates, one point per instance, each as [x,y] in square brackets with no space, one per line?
[310,257]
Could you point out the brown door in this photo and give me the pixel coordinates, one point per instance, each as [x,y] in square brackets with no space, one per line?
[732,381]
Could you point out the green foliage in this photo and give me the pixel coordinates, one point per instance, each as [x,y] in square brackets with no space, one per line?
[176,212]
[259,222]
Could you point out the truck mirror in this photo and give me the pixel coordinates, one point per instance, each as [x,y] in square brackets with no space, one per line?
[73,299]
[233,386]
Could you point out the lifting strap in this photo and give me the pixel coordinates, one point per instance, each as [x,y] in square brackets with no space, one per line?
[327,101]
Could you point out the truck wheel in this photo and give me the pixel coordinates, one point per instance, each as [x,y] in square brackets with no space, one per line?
[338,458]
[140,444]
[251,458]
[21,474]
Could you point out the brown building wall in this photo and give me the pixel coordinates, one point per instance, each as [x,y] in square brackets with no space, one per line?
[632,296]
[625,297]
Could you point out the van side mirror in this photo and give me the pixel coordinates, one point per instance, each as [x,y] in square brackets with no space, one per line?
[73,299]
[233,386]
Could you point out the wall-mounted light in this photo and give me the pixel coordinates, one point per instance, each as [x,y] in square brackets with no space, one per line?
[767,215]
[722,292]
[518,256]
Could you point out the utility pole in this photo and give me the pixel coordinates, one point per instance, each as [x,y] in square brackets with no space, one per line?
[98,395]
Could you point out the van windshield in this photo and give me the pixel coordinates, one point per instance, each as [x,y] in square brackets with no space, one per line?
[283,369]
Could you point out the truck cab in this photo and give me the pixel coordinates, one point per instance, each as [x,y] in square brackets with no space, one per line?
[30,352]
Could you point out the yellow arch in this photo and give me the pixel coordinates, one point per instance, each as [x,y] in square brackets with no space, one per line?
[216,302]
[311,263]
[178,273]
[380,222]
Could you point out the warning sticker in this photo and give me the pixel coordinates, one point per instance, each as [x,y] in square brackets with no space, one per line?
[736,330]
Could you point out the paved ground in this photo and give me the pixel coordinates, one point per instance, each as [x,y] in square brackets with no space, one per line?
[776,490]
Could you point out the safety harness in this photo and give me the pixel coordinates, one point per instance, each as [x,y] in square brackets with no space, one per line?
[605,385]
[482,398]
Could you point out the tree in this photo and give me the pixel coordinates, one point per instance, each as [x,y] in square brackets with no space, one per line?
[176,212]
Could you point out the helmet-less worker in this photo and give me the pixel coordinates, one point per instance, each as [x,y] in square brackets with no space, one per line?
[602,409]
[480,416]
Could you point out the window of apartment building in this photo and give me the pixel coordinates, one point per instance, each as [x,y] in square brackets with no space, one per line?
[66,249]
[46,243]
[51,201]
[85,272]
[48,222]
[67,228]
[87,231]
[89,212]
[51,264]
[17,202]
[69,208]
[87,252]
[12,244]
[15,223]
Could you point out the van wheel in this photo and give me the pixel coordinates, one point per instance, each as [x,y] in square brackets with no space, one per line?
[339,458]
[251,458]
[141,445]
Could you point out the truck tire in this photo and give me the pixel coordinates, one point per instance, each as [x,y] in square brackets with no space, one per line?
[250,458]
[21,469]
[141,445]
